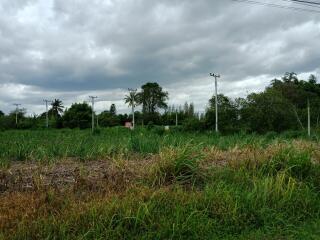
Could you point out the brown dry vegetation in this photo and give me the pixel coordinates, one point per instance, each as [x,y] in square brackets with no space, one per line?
[31,191]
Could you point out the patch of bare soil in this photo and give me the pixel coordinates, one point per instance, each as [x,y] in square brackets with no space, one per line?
[66,175]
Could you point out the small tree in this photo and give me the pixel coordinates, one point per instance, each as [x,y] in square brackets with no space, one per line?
[113,110]
[132,100]
[152,97]
[312,79]
[56,108]
[228,113]
[78,115]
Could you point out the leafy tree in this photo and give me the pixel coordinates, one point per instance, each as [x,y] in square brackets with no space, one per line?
[1,113]
[189,110]
[297,93]
[56,108]
[290,77]
[113,110]
[227,114]
[152,98]
[107,119]
[312,79]
[78,115]
[267,111]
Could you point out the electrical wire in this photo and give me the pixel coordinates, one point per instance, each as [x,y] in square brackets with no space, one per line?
[277,6]
[303,4]
[307,2]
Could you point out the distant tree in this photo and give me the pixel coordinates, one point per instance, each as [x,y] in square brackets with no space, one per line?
[107,119]
[290,77]
[191,110]
[16,114]
[267,111]
[227,114]
[1,113]
[188,110]
[132,100]
[113,110]
[312,79]
[56,108]
[78,115]
[152,97]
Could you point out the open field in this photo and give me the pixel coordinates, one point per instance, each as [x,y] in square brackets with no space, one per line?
[69,184]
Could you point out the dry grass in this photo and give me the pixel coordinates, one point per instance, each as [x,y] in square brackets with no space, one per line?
[33,191]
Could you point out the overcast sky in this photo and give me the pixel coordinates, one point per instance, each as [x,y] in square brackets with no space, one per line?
[70,49]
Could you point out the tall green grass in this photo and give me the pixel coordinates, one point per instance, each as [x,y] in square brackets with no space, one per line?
[276,198]
[50,145]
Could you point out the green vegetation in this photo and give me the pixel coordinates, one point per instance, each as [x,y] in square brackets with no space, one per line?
[152,184]
[282,106]
[42,145]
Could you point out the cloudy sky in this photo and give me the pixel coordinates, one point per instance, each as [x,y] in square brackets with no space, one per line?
[70,49]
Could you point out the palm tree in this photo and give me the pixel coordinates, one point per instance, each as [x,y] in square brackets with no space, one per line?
[132,100]
[56,108]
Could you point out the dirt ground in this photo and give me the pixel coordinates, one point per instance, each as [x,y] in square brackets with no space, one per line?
[65,175]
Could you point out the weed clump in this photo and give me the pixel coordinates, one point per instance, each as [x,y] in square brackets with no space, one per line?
[178,165]
[296,163]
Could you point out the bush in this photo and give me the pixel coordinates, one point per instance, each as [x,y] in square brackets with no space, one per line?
[293,134]
[193,124]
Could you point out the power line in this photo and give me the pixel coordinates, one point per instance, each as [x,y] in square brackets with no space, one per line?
[277,6]
[316,6]
[308,2]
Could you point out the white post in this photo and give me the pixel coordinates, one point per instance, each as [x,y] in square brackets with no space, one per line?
[133,121]
[216,96]
[16,116]
[47,117]
[216,89]
[92,106]
[17,109]
[309,122]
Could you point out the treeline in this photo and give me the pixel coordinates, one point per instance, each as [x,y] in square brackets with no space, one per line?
[281,106]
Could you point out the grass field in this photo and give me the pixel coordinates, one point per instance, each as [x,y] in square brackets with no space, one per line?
[148,184]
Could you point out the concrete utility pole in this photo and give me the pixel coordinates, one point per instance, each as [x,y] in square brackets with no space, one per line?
[17,109]
[309,122]
[97,121]
[216,93]
[133,94]
[176,118]
[92,106]
[47,117]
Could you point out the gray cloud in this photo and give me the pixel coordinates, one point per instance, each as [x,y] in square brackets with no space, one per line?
[65,49]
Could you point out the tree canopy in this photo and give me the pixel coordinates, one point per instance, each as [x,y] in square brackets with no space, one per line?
[152,97]
[281,106]
[78,116]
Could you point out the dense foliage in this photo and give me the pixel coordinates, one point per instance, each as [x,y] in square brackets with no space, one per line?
[281,106]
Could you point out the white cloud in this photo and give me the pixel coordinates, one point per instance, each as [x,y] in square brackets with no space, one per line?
[71,49]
